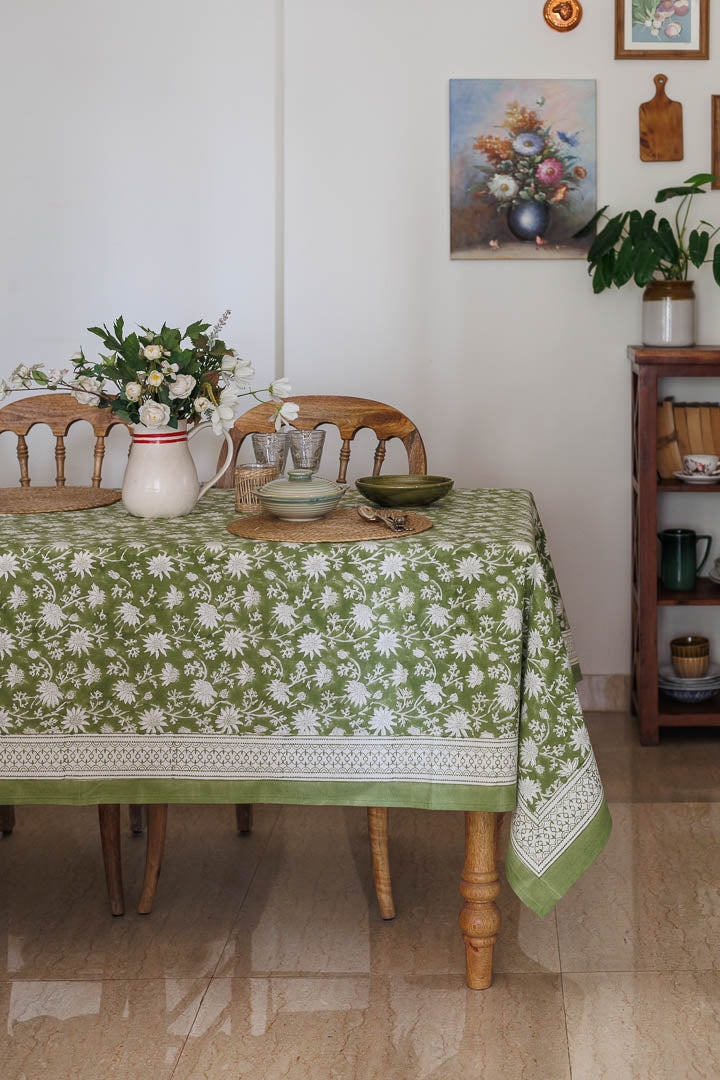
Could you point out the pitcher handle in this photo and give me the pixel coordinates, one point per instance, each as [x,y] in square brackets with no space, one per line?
[228,461]
[707,551]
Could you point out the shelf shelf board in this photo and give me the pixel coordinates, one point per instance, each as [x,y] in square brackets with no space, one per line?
[680,714]
[705,594]
[678,485]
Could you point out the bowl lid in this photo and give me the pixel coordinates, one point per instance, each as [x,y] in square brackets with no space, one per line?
[300,486]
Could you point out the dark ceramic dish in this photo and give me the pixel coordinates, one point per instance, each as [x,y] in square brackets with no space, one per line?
[405,490]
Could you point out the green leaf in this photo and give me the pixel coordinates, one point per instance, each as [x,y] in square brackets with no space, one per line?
[635,225]
[624,264]
[648,221]
[590,225]
[698,247]
[118,327]
[667,240]
[598,280]
[195,329]
[700,178]
[130,349]
[716,265]
[676,192]
[170,339]
[646,260]
[607,238]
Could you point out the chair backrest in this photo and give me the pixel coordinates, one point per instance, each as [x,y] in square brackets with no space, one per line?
[59,412]
[349,415]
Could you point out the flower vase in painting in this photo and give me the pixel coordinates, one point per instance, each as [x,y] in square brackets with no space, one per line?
[522,174]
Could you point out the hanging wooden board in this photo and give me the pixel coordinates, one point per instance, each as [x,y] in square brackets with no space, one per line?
[661,126]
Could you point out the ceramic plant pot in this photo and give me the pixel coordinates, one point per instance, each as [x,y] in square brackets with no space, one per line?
[668,314]
[160,478]
[528,220]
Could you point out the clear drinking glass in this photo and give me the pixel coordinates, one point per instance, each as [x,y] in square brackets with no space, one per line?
[306,448]
[271,448]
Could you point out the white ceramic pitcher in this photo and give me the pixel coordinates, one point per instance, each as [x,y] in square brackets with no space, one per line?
[160,478]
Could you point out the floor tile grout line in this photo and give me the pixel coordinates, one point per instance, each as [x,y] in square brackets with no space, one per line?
[562,991]
[229,935]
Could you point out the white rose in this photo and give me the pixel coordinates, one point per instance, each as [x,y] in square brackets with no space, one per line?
[57,375]
[154,414]
[183,386]
[280,388]
[133,390]
[153,352]
[288,411]
[84,387]
[155,378]
[202,404]
[221,419]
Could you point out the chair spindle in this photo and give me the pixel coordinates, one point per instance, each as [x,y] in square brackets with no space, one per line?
[22,456]
[379,457]
[60,461]
[344,458]
[98,461]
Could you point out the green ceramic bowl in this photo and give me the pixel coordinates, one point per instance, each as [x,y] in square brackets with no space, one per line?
[405,490]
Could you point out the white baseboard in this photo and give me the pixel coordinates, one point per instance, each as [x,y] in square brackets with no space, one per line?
[605,693]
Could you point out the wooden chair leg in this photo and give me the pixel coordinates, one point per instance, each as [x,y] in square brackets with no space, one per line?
[479,885]
[244,817]
[156,829]
[7,819]
[378,830]
[109,817]
[136,819]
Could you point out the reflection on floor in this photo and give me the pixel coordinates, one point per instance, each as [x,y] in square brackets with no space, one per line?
[265,957]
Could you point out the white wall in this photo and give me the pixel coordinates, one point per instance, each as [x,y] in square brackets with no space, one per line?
[514,372]
[139,177]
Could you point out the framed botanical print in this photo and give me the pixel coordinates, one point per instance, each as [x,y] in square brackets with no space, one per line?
[662,29]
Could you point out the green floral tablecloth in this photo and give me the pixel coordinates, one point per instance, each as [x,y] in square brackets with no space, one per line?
[155,661]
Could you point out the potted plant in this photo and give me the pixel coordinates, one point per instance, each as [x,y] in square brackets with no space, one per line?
[656,253]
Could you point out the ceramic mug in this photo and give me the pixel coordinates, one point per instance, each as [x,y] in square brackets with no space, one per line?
[701,464]
[678,563]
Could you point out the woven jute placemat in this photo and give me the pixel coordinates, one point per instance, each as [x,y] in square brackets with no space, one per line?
[49,500]
[338,527]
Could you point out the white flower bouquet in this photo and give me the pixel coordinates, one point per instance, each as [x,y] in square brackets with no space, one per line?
[159,379]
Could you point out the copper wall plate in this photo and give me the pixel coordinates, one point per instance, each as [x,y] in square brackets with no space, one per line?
[562,15]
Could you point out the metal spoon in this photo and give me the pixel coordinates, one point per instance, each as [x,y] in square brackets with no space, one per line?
[394,520]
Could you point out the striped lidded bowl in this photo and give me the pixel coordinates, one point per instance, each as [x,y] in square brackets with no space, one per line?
[301,497]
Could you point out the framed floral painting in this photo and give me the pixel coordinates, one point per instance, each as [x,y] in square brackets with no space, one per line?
[522,167]
[662,29]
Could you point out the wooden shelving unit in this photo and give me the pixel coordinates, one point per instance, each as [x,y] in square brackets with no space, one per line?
[653,709]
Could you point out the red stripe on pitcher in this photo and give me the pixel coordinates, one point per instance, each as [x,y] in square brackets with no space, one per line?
[161,437]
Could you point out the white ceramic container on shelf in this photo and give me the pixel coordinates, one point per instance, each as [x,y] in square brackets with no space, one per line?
[301,497]
[668,314]
[160,478]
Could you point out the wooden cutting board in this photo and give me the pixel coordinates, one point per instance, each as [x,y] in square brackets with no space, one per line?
[661,126]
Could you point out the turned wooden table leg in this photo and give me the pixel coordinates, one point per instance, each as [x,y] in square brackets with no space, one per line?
[7,819]
[109,817]
[479,885]
[136,819]
[156,829]
[378,830]
[244,817]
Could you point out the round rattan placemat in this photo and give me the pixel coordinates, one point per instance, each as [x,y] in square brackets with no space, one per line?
[339,527]
[47,500]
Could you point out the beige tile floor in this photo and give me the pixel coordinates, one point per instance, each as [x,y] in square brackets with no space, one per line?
[265,958]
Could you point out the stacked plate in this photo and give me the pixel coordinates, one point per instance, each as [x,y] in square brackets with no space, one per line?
[691,691]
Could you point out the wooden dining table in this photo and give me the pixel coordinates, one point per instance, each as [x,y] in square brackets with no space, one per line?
[169,661]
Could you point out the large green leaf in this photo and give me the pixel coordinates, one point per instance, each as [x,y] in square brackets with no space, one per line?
[716,265]
[667,241]
[607,238]
[700,178]
[590,225]
[599,282]
[676,192]
[698,247]
[646,261]
[635,225]
[625,263]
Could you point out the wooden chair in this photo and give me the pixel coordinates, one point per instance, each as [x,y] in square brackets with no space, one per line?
[349,415]
[59,412]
